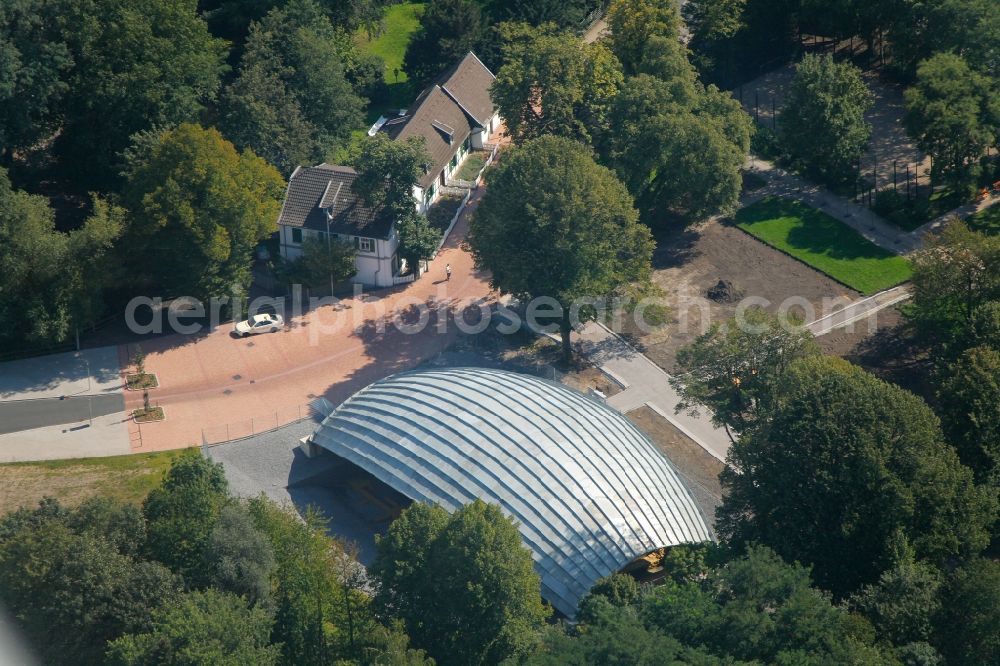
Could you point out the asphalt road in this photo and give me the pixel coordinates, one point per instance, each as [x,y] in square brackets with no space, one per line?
[17,415]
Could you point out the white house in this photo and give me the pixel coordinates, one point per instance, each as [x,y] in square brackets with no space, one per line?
[454,115]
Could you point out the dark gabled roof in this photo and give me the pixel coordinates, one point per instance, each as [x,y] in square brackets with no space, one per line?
[313,190]
[432,112]
[468,83]
[446,112]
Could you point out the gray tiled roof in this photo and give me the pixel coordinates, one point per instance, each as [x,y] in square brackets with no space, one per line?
[459,101]
[589,492]
[469,83]
[311,190]
[433,107]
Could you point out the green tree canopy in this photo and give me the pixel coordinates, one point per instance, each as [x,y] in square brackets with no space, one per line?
[969,614]
[198,209]
[34,66]
[948,113]
[72,586]
[136,65]
[955,278]
[238,558]
[733,369]
[969,406]
[53,281]
[291,103]
[678,146]
[418,239]
[904,601]
[843,465]
[209,627]
[633,23]
[323,610]
[388,171]
[822,125]
[448,30]
[554,223]
[567,14]
[552,83]
[182,513]
[464,585]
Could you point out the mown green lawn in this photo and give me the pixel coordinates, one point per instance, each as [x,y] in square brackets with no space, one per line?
[127,478]
[401,21]
[987,221]
[816,239]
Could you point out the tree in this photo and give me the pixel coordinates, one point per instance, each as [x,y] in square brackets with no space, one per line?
[822,125]
[232,18]
[71,589]
[968,620]
[633,23]
[291,103]
[948,114]
[733,369]
[136,65]
[566,14]
[448,30]
[198,209]
[842,467]
[464,585]
[53,281]
[209,627]
[33,72]
[552,83]
[969,399]
[238,558]
[554,223]
[322,610]
[323,263]
[388,171]
[418,240]
[904,601]
[758,608]
[918,30]
[954,275]
[677,146]
[181,513]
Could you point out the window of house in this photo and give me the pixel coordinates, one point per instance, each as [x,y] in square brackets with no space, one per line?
[454,161]
[366,244]
[297,235]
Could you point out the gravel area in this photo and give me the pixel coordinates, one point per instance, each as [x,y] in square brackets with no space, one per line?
[355,504]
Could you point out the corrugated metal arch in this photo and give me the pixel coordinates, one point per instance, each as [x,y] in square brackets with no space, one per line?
[589,491]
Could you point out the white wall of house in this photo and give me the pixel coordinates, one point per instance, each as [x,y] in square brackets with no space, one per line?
[481,138]
[376,257]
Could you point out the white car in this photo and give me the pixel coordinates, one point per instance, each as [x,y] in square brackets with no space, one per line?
[262,323]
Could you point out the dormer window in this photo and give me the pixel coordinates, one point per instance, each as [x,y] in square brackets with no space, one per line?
[446,130]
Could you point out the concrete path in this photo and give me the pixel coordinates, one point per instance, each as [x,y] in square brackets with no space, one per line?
[859,309]
[645,384]
[960,212]
[88,372]
[108,436]
[860,218]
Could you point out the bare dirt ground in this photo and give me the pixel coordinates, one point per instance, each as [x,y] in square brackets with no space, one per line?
[688,262]
[699,469]
[889,139]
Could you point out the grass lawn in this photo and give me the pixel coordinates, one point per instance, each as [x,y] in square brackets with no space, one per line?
[816,239]
[401,21]
[126,478]
[987,220]
[472,165]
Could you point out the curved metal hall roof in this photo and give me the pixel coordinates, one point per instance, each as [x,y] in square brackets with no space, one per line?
[589,492]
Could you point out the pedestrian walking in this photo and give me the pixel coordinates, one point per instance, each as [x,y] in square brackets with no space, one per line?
[447,272]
